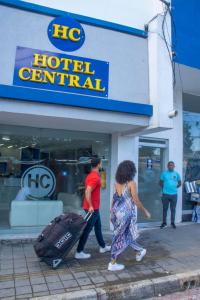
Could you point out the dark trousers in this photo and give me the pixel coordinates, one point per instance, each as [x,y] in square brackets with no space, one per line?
[94,221]
[166,200]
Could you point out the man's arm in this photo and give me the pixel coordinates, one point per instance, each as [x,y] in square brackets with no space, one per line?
[161,183]
[88,196]
[179,181]
[179,184]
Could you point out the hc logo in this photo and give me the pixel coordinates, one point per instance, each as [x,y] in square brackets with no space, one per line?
[66,34]
[39,180]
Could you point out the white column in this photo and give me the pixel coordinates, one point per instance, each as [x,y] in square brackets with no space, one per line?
[176,147]
[160,69]
[122,148]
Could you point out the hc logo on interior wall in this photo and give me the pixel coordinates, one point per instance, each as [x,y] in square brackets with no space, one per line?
[39,180]
[66,34]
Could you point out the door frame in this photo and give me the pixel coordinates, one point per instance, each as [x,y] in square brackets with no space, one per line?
[157,143]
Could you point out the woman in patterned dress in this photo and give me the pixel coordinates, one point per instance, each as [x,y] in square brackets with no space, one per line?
[124,215]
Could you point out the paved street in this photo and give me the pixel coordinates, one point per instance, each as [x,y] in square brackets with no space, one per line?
[170,251]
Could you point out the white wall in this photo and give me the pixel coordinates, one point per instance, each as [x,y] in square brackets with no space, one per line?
[134,13]
[110,46]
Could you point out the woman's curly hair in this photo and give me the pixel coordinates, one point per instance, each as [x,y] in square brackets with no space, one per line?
[125,172]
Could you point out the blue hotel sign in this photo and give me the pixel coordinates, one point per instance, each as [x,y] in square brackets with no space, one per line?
[60,72]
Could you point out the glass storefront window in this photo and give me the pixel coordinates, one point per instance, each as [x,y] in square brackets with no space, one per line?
[151,164]
[42,173]
[191,152]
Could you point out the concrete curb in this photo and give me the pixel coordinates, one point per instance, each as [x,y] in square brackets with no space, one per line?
[134,290]
[90,294]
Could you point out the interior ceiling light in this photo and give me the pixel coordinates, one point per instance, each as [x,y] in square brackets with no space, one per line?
[6,138]
[11,146]
[1,145]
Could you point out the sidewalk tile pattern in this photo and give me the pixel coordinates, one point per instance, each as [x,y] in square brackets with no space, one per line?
[23,275]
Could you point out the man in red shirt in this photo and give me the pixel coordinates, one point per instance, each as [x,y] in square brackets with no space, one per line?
[92,204]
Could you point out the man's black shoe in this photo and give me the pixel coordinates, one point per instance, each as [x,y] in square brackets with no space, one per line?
[163,225]
[173,225]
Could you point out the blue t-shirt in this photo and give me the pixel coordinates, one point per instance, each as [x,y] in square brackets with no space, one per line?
[170,182]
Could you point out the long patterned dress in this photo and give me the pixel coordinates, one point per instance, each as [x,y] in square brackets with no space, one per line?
[124,218]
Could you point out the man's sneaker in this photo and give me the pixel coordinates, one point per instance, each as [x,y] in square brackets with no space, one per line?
[82,255]
[115,267]
[163,225]
[105,249]
[140,255]
[173,225]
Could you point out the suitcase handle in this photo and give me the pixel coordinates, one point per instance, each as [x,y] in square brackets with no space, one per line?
[40,237]
[88,216]
[57,219]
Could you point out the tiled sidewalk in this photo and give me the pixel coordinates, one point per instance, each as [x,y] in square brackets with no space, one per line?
[23,276]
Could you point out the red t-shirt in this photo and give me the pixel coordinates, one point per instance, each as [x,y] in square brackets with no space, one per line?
[93,180]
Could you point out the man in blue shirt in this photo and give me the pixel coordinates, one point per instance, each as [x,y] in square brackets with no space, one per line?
[170,181]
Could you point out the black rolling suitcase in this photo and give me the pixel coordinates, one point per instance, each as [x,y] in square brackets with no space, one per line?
[59,237]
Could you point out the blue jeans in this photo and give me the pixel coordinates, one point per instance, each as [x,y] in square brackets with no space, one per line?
[94,221]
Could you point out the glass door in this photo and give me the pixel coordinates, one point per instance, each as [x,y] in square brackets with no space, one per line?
[151,164]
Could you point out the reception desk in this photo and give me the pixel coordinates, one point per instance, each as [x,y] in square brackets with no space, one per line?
[34,213]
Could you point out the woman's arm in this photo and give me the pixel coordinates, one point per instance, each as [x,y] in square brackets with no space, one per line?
[136,200]
[114,191]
